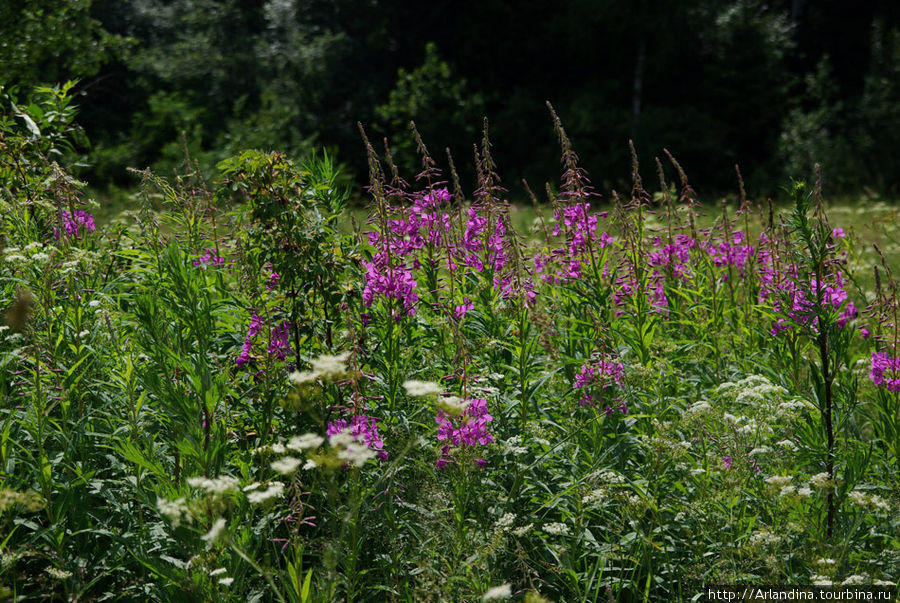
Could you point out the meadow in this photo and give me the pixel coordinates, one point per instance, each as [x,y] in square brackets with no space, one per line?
[244,390]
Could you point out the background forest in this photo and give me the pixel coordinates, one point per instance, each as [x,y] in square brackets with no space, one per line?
[772,86]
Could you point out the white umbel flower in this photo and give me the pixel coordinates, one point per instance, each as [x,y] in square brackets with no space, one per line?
[215,532]
[498,593]
[286,465]
[305,442]
[422,389]
[275,490]
[217,486]
[557,529]
[331,367]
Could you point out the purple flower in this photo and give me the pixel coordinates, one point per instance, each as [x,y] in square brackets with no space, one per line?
[461,310]
[75,224]
[881,364]
[279,343]
[468,430]
[727,461]
[364,430]
[209,258]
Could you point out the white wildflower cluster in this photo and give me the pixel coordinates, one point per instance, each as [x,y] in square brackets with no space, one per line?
[787,445]
[324,368]
[856,580]
[422,389]
[505,522]
[257,495]
[779,481]
[216,486]
[748,383]
[819,580]
[452,405]
[498,593]
[761,451]
[698,408]
[173,510]
[607,476]
[348,449]
[514,446]
[789,408]
[764,538]
[822,481]
[307,441]
[826,562]
[557,528]
[70,266]
[270,449]
[59,574]
[286,465]
[522,530]
[215,532]
[861,498]
[594,497]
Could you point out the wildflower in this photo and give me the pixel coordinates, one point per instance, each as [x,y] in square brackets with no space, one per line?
[209,259]
[804,492]
[331,367]
[698,407]
[274,490]
[726,460]
[218,572]
[59,574]
[855,579]
[461,310]
[356,454]
[764,538]
[818,580]
[421,388]
[521,531]
[779,481]
[215,532]
[594,497]
[469,429]
[497,593]
[279,345]
[881,364]
[75,224]
[217,486]
[361,433]
[303,378]
[505,523]
[286,465]
[787,444]
[226,581]
[822,481]
[173,510]
[305,442]
[557,529]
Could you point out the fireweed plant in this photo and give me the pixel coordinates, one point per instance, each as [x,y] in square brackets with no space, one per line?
[240,392]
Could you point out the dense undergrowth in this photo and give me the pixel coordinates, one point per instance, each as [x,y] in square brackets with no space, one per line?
[222,397]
